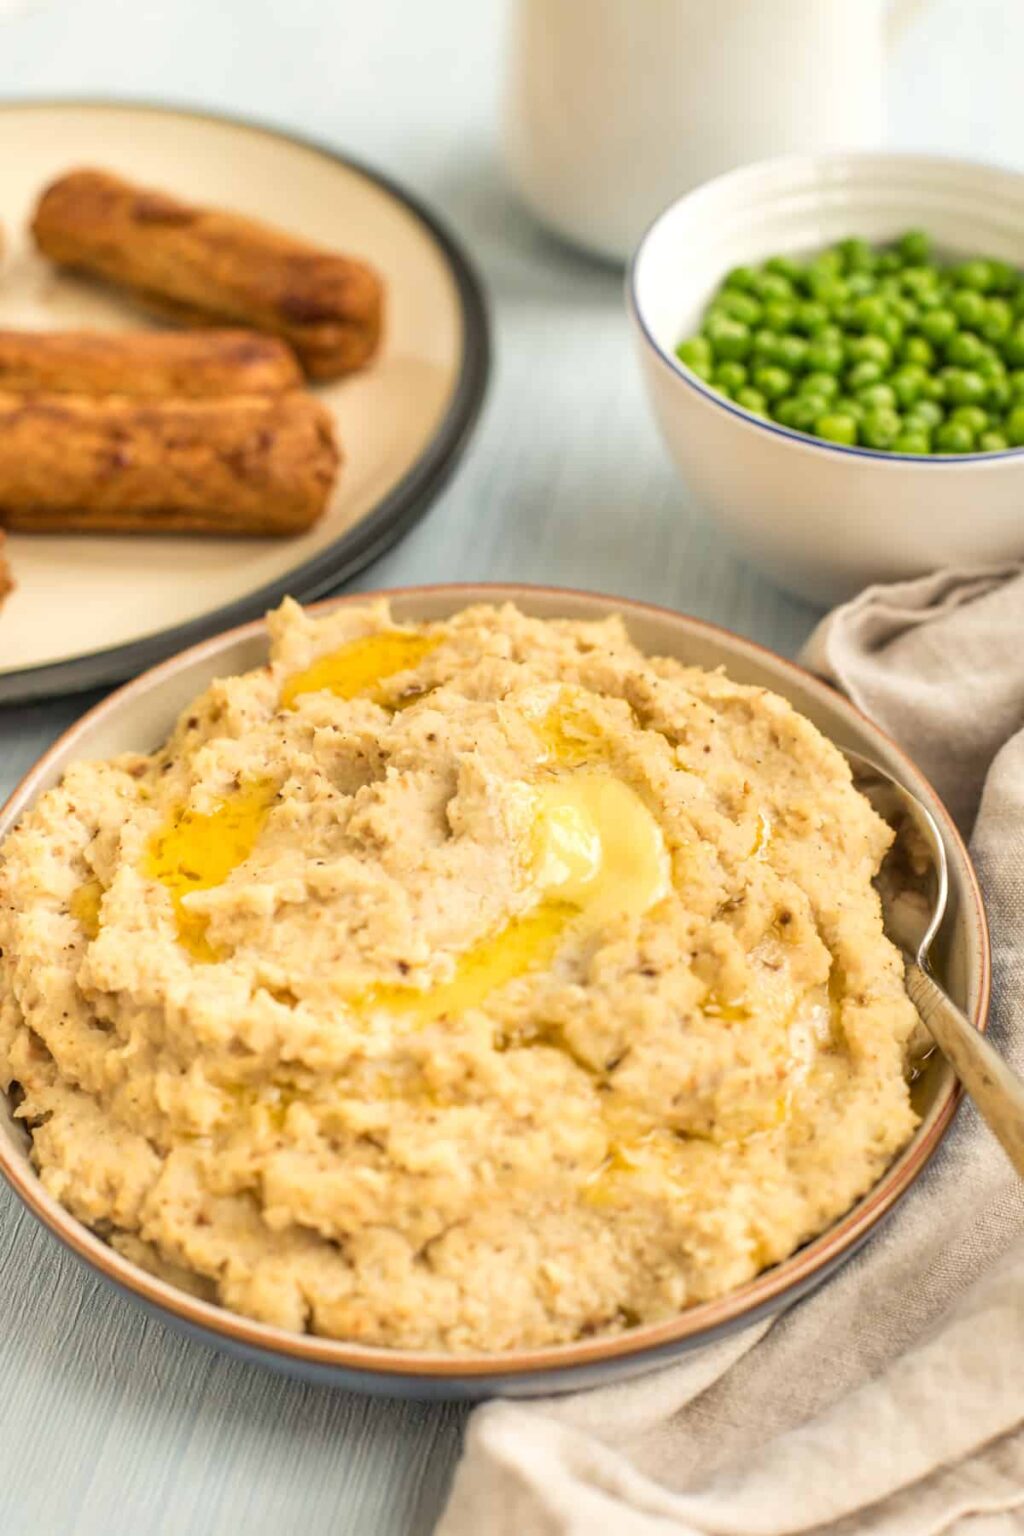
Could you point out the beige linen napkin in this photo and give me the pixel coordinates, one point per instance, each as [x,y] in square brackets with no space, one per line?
[891,1402]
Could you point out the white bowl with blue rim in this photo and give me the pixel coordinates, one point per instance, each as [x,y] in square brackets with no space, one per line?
[823,520]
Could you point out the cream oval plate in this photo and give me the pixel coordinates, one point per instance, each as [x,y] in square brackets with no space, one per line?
[93,610]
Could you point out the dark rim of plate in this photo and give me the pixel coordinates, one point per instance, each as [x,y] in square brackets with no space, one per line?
[358,547]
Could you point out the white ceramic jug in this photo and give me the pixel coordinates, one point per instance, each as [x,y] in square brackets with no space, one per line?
[614,108]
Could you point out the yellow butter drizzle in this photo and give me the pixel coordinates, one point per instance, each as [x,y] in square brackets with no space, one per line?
[522,946]
[569,734]
[596,851]
[358,669]
[85,906]
[196,851]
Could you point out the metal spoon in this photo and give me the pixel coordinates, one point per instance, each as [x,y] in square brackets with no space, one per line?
[914,886]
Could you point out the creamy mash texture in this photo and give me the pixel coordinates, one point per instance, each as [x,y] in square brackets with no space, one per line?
[467,986]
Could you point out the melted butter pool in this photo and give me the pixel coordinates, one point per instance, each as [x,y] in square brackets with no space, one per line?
[196,851]
[523,945]
[357,670]
[596,851]
[84,906]
[597,846]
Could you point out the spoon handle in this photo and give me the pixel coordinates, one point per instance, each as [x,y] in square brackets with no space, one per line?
[996,1089]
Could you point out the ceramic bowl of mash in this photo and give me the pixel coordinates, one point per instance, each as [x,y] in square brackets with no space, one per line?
[658,1091]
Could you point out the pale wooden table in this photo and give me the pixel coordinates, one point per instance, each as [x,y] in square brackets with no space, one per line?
[109,1424]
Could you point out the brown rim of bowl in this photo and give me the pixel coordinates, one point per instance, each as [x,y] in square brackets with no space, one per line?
[793,1273]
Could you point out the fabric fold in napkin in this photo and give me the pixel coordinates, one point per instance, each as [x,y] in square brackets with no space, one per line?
[891,1402]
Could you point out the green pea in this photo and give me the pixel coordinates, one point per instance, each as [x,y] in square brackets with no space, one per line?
[742,278]
[891,327]
[954,437]
[730,376]
[992,366]
[928,299]
[881,428]
[772,286]
[972,415]
[741,306]
[889,288]
[864,373]
[905,310]
[752,400]
[801,411]
[1016,383]
[992,442]
[890,261]
[912,441]
[917,350]
[998,320]
[868,313]
[779,315]
[828,289]
[860,283]
[845,405]
[924,414]
[829,332]
[968,306]
[856,255]
[828,267]
[1013,345]
[1013,427]
[916,280]
[730,338]
[825,385]
[773,382]
[976,275]
[963,386]
[764,343]
[785,266]
[878,397]
[810,316]
[791,353]
[998,395]
[787,411]
[933,388]
[825,356]
[938,325]
[1004,277]
[915,247]
[695,350]
[965,349]
[907,382]
[875,348]
[837,427]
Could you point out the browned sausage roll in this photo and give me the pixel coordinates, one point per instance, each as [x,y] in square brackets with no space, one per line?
[245,464]
[200,265]
[146,363]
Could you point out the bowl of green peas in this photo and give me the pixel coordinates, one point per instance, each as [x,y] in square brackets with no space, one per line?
[834,350]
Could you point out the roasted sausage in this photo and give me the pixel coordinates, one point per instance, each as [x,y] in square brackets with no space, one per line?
[244,464]
[146,363]
[201,265]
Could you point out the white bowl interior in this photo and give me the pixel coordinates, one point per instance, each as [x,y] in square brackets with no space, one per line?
[797,205]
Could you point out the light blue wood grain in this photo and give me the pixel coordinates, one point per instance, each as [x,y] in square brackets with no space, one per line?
[110,1425]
